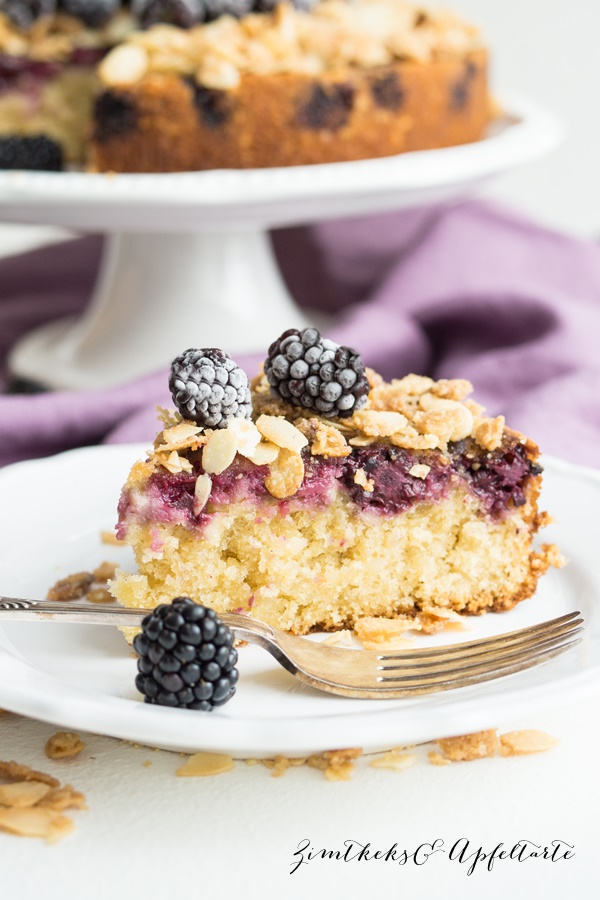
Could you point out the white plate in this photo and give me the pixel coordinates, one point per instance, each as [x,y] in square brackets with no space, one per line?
[235,198]
[81,677]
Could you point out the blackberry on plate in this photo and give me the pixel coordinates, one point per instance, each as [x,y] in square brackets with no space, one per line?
[93,13]
[309,371]
[23,13]
[183,13]
[186,657]
[208,387]
[36,153]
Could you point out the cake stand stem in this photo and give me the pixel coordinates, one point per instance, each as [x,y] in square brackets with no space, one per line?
[157,295]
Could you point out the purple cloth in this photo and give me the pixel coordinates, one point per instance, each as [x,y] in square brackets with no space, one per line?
[481,294]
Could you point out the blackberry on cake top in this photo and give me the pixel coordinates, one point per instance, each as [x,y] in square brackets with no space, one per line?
[209,388]
[23,13]
[309,371]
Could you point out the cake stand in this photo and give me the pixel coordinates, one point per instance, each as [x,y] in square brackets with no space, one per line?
[188,260]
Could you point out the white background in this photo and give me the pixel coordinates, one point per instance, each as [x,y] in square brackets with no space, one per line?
[150,834]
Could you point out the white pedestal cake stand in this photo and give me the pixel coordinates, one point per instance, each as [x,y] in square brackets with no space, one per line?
[188,261]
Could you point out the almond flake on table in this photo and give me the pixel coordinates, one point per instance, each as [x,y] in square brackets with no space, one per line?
[518,743]
[205,764]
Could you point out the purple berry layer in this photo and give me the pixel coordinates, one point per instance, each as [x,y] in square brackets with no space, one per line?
[498,480]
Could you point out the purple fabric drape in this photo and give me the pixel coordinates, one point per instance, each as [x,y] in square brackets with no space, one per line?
[481,293]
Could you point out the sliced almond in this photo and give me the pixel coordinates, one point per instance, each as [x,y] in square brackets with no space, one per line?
[179,434]
[264,454]
[174,463]
[219,451]
[202,490]
[205,764]
[124,65]
[21,794]
[394,760]
[281,432]
[35,822]
[516,743]
[286,475]
[247,435]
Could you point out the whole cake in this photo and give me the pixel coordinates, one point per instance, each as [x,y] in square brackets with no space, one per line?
[179,85]
[326,495]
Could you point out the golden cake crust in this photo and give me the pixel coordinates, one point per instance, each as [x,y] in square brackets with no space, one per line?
[294,119]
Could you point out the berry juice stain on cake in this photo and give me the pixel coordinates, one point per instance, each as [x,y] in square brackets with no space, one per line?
[327,107]
[320,494]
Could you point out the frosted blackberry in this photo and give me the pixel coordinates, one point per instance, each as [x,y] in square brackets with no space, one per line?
[93,13]
[209,388]
[23,13]
[182,13]
[309,371]
[186,657]
[236,8]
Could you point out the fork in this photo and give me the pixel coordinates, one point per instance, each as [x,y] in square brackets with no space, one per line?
[355,673]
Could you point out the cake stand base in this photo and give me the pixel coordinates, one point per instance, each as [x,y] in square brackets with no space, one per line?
[216,289]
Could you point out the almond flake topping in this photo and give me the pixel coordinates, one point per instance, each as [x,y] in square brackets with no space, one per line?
[219,451]
[281,432]
[175,463]
[202,490]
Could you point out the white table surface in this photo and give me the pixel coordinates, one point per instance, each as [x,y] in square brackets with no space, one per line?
[150,834]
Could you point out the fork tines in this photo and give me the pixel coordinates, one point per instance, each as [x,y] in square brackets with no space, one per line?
[480,660]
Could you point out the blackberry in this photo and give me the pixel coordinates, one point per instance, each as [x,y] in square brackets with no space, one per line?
[209,388]
[236,8]
[183,13]
[269,5]
[39,153]
[93,13]
[23,13]
[186,657]
[306,370]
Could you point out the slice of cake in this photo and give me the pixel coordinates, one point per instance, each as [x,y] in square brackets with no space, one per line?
[339,497]
[182,85]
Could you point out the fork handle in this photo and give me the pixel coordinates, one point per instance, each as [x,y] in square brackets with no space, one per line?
[13,609]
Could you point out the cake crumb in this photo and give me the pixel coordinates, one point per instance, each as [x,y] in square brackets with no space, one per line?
[438,759]
[286,475]
[73,587]
[419,471]
[105,571]
[109,537]
[489,432]
[147,763]
[99,595]
[518,743]
[63,745]
[200,764]
[394,760]
[330,442]
[467,747]
[360,478]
